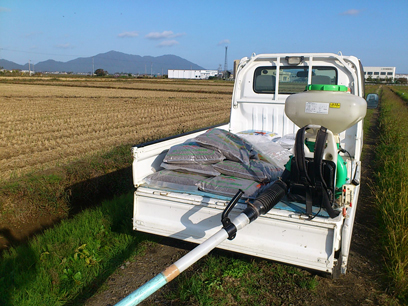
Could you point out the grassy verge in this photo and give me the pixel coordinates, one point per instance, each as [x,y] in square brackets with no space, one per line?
[65,190]
[232,279]
[370,112]
[392,190]
[402,92]
[72,258]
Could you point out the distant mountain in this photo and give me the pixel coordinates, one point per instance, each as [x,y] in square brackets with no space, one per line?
[8,65]
[113,62]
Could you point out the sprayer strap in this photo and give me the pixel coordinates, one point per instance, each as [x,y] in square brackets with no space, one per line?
[300,156]
[302,168]
[318,155]
[322,193]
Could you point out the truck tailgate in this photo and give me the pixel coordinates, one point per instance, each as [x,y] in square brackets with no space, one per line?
[280,235]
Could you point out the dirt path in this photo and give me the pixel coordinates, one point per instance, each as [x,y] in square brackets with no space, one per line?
[362,285]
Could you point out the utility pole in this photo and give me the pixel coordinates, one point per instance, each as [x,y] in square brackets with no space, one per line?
[226,62]
[29,68]
[93,67]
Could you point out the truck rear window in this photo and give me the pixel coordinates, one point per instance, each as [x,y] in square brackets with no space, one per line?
[291,79]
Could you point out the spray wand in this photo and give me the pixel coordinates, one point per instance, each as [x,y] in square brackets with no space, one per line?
[261,205]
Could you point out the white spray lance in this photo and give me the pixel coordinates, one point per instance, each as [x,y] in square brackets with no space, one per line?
[261,205]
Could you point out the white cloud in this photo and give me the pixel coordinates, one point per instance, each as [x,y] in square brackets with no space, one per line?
[128,34]
[64,46]
[224,42]
[168,43]
[32,34]
[163,35]
[4,9]
[351,12]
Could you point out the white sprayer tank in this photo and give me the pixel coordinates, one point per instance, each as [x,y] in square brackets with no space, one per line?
[330,106]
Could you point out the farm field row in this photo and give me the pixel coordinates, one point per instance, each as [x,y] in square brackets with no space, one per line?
[203,86]
[402,92]
[41,126]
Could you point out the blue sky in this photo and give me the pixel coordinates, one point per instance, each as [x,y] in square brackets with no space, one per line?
[374,31]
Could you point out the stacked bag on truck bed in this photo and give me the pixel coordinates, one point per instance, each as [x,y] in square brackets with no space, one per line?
[218,162]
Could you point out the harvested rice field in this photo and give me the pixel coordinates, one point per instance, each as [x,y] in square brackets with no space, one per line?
[47,122]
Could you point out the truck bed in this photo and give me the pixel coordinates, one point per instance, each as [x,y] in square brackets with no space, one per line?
[283,234]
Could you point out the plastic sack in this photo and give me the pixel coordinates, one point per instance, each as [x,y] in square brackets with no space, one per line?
[192,168]
[256,170]
[287,141]
[229,186]
[255,136]
[230,145]
[192,153]
[273,153]
[269,146]
[174,180]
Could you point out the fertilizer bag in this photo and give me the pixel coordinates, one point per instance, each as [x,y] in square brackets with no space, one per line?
[257,170]
[203,169]
[230,145]
[229,186]
[174,180]
[192,153]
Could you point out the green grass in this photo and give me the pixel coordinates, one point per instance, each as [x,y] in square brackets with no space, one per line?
[231,279]
[370,112]
[70,260]
[392,190]
[68,187]
[402,92]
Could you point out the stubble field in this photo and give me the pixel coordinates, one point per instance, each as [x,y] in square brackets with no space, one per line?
[47,122]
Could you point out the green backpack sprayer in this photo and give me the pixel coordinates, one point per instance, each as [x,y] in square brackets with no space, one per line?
[317,172]
[315,175]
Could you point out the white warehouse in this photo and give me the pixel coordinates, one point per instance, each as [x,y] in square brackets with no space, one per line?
[379,72]
[191,74]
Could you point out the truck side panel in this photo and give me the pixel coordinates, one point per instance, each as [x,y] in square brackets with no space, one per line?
[277,237]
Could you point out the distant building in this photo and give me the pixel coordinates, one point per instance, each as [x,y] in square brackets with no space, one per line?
[30,72]
[191,74]
[379,72]
[401,76]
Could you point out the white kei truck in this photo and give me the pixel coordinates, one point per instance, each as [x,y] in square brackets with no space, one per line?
[292,96]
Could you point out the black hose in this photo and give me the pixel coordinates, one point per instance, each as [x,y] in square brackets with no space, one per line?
[266,200]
